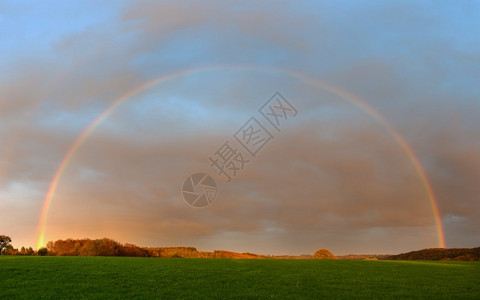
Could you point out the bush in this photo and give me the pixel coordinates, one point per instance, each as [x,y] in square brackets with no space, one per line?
[42,251]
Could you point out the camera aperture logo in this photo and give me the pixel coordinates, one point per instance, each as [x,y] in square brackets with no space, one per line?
[200,189]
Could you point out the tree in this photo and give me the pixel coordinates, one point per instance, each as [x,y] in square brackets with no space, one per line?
[10,250]
[42,251]
[5,241]
[324,254]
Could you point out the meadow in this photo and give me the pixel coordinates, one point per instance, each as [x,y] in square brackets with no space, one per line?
[170,278]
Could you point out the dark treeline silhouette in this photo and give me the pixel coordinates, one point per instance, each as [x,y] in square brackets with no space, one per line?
[464,254]
[6,247]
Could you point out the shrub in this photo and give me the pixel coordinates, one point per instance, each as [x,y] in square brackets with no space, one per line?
[42,251]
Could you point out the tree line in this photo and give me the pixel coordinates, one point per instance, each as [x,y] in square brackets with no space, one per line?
[97,247]
[77,247]
[109,247]
[457,254]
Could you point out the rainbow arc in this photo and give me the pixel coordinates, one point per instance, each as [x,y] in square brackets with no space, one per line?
[353,99]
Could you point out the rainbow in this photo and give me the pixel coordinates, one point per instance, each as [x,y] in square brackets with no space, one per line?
[40,232]
[13,139]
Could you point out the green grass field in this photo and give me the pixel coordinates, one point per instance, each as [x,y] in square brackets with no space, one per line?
[120,277]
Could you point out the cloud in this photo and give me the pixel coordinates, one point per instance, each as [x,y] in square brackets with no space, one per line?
[333,177]
[357,183]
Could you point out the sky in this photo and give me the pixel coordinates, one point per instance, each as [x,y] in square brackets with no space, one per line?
[107,108]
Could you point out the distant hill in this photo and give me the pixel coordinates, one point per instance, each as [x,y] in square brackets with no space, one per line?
[192,252]
[464,254]
[303,256]
[185,252]
[363,256]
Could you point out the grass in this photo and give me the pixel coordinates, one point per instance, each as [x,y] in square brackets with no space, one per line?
[120,277]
